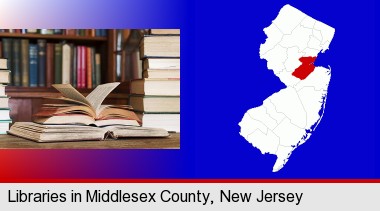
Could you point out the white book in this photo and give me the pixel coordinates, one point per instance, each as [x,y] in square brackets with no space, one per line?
[66,63]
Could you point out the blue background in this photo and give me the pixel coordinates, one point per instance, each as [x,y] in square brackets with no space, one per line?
[222,77]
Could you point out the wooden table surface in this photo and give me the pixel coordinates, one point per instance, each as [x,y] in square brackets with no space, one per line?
[172,142]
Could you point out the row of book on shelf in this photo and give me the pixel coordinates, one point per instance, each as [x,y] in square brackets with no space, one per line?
[42,64]
[154,102]
[71,32]
[5,119]
[156,97]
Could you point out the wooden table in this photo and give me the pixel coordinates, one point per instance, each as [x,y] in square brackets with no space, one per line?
[172,142]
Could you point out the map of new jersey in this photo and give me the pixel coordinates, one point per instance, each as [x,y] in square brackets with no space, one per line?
[287,119]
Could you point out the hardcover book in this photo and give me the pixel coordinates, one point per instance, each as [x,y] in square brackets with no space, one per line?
[25,62]
[155,104]
[160,46]
[164,31]
[41,62]
[162,86]
[3,63]
[55,133]
[16,58]
[33,65]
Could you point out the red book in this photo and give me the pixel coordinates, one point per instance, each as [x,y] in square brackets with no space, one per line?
[79,67]
[89,67]
[50,64]
[84,65]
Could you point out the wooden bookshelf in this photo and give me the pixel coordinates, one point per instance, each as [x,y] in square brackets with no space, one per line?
[25,101]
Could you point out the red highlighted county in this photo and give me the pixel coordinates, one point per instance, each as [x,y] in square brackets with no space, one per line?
[305,68]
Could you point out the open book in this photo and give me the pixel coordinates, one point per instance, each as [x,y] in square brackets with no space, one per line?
[54,133]
[86,110]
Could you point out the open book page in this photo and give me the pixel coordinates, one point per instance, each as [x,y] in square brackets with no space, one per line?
[97,96]
[70,92]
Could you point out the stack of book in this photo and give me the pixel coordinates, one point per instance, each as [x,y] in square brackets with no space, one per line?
[5,119]
[42,63]
[156,97]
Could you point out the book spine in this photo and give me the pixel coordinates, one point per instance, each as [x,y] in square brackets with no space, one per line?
[16,71]
[57,31]
[66,63]
[93,74]
[98,69]
[89,68]
[1,51]
[83,65]
[7,51]
[79,67]
[25,62]
[50,64]
[75,66]
[58,63]
[31,31]
[33,65]
[41,62]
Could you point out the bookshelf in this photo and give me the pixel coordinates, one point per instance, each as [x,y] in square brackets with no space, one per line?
[25,101]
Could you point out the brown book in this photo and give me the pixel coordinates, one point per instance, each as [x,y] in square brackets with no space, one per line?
[50,64]
[89,67]
[70,32]
[25,62]
[1,49]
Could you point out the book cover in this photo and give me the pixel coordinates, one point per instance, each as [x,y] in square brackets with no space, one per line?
[5,76]
[164,31]
[41,62]
[155,104]
[7,51]
[50,79]
[74,65]
[98,67]
[3,63]
[58,63]
[147,86]
[33,65]
[93,69]
[88,67]
[83,69]
[79,67]
[16,60]
[158,63]
[25,62]
[160,46]
[55,133]
[66,63]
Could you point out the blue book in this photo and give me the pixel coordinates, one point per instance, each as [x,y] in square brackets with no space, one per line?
[98,32]
[41,62]
[33,65]
[16,60]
